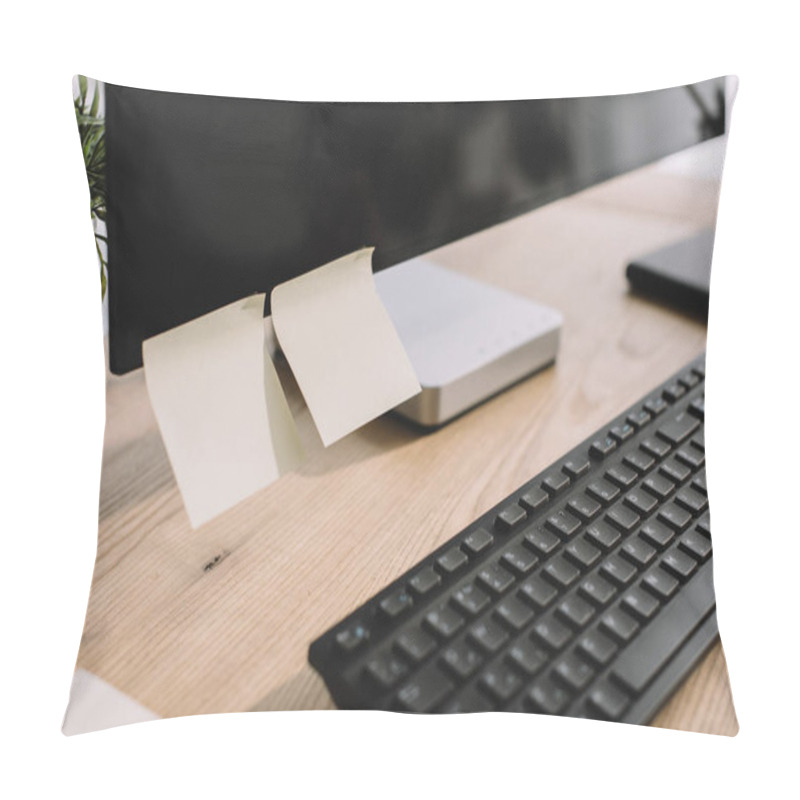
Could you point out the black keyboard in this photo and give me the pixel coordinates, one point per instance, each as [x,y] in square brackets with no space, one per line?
[587,592]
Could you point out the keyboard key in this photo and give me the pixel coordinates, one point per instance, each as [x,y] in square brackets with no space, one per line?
[468,701]
[519,558]
[575,612]
[608,701]
[679,429]
[471,599]
[623,518]
[638,551]
[501,682]
[674,392]
[489,635]
[689,380]
[555,482]
[699,483]
[425,690]
[617,570]
[655,447]
[623,476]
[576,467]
[563,524]
[640,604]
[561,571]
[527,656]
[657,533]
[574,672]
[621,433]
[603,534]
[444,621]
[514,613]
[552,633]
[638,419]
[547,697]
[679,563]
[597,590]
[396,603]
[656,406]
[691,456]
[539,592]
[351,637]
[477,541]
[534,498]
[511,516]
[675,471]
[696,545]
[603,491]
[660,583]
[639,461]
[641,502]
[598,647]
[676,517]
[584,507]
[698,441]
[544,541]
[659,486]
[666,634]
[692,501]
[697,408]
[416,644]
[452,560]
[386,669]
[601,448]
[704,525]
[494,577]
[425,580]
[582,554]
[620,625]
[462,659]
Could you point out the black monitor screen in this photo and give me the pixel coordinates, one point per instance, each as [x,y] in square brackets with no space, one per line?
[211,198]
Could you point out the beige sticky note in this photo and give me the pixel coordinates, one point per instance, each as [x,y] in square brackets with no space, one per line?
[95,705]
[220,407]
[341,345]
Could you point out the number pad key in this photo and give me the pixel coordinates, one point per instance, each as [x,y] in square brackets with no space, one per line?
[462,659]
[527,656]
[443,621]
[489,635]
[514,613]
[471,599]
[501,682]
[574,672]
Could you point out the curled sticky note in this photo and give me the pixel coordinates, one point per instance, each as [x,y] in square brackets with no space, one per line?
[220,407]
[342,346]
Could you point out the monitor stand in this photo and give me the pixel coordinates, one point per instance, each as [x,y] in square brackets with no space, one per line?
[467,340]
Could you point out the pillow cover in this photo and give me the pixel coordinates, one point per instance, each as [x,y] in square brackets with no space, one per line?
[240,545]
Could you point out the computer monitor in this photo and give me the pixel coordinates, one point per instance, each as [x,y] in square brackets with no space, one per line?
[210,199]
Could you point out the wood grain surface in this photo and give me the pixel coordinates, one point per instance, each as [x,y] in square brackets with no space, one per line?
[219,619]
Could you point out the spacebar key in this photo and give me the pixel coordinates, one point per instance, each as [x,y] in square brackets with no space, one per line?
[667,633]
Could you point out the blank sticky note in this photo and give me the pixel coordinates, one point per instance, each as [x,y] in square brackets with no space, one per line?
[220,407]
[341,345]
[95,705]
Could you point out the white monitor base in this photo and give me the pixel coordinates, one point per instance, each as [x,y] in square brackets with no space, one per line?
[466,340]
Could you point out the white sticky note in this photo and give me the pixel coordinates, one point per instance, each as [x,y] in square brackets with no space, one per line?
[341,345]
[95,705]
[220,407]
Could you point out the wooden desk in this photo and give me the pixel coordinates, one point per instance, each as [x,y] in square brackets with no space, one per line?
[220,619]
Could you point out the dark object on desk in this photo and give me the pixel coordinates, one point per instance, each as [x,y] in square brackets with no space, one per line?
[587,592]
[679,274]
